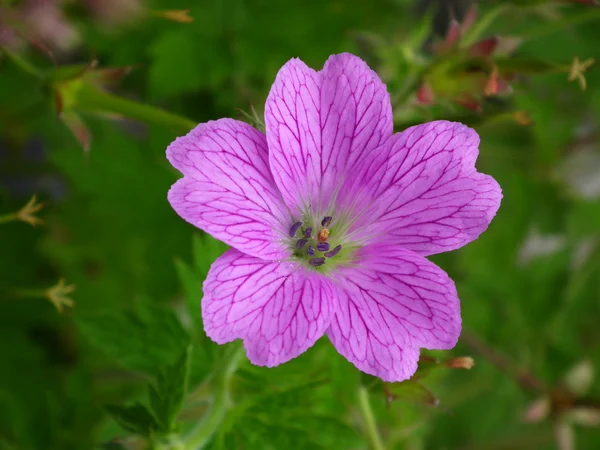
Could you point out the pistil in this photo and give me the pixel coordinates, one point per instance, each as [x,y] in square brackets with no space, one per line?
[323,235]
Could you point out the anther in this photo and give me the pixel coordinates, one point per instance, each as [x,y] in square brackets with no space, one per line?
[323,246]
[310,251]
[294,228]
[316,262]
[326,221]
[333,252]
[301,243]
[308,232]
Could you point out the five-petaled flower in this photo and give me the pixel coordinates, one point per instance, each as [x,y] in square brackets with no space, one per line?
[330,216]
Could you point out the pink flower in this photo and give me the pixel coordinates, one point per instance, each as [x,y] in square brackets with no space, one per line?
[330,216]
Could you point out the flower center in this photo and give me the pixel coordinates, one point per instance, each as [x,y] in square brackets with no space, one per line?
[314,247]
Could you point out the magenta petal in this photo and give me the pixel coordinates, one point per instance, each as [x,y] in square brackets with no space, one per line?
[319,124]
[390,305]
[278,309]
[424,192]
[228,190]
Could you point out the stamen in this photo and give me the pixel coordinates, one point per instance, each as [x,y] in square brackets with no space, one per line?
[326,221]
[301,243]
[294,228]
[316,262]
[333,252]
[310,251]
[308,232]
[323,246]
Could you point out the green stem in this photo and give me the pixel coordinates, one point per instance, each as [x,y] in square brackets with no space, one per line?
[90,99]
[11,294]
[29,293]
[22,63]
[482,24]
[586,15]
[200,436]
[8,218]
[369,419]
[94,100]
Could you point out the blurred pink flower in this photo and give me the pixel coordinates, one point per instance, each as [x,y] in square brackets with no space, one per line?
[45,20]
[41,22]
[115,12]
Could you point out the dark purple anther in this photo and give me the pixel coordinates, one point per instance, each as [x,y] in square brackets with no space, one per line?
[316,262]
[333,252]
[301,243]
[308,232]
[310,251]
[323,246]
[294,228]
[326,221]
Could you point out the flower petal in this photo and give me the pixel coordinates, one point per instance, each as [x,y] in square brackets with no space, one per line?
[278,309]
[390,305]
[318,126]
[228,190]
[424,192]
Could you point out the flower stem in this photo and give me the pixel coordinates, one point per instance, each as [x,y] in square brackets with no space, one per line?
[94,100]
[586,15]
[29,293]
[200,436]
[482,24]
[369,419]
[502,362]
[22,63]
[8,218]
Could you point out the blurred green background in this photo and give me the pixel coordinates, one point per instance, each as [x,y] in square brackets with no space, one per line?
[92,92]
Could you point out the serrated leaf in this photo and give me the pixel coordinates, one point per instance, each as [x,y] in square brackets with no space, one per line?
[134,418]
[166,397]
[144,339]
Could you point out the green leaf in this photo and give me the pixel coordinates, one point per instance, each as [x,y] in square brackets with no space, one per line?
[94,100]
[183,63]
[134,418]
[166,397]
[527,65]
[412,392]
[144,339]
[205,250]
[191,276]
